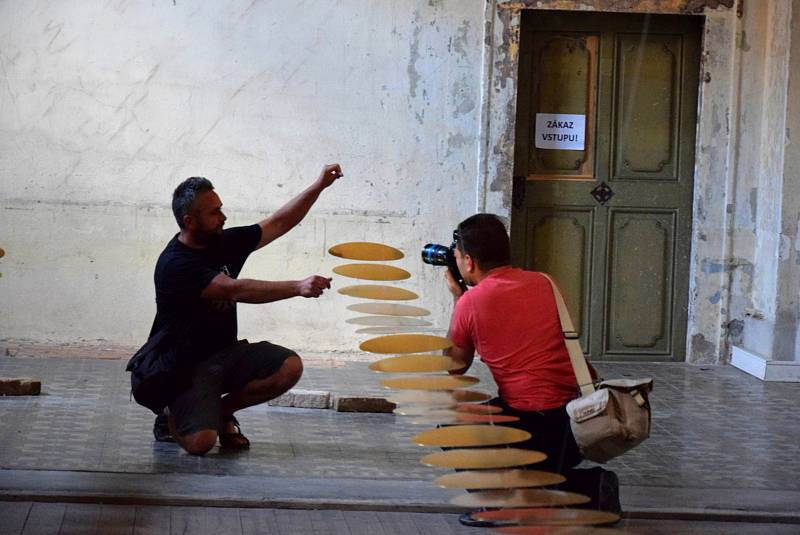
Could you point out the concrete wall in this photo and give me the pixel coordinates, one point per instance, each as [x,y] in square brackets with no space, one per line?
[106,106]
[765,200]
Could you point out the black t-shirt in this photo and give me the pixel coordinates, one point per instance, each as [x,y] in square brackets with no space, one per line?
[181,275]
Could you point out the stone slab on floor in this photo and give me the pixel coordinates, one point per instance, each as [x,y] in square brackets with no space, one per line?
[374,404]
[303,399]
[19,386]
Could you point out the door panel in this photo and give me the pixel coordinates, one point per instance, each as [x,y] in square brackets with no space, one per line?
[639,292]
[647,103]
[570,231]
[622,262]
[566,74]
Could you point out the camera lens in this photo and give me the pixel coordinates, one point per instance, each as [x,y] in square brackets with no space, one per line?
[435,254]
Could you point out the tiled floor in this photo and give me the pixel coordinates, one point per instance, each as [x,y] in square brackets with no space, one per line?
[27,518]
[713,427]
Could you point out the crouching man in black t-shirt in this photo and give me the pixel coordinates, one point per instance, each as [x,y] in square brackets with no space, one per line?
[196,294]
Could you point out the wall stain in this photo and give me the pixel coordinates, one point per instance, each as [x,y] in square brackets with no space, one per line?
[413,75]
[753,204]
[742,43]
[703,351]
[735,329]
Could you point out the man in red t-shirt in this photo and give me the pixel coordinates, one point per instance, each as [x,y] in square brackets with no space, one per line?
[510,318]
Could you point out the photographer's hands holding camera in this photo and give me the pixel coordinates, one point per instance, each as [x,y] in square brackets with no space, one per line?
[452,285]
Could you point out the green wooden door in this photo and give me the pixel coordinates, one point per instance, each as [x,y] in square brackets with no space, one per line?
[621,261]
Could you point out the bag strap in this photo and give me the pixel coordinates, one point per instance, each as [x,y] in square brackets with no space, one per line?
[576,357]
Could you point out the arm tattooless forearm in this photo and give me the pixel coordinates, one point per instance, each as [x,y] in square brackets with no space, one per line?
[459,354]
[289,215]
[224,288]
[255,291]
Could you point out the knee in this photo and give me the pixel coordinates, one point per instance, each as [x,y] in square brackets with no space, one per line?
[292,369]
[199,443]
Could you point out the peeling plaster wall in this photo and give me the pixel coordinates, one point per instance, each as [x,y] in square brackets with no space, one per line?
[105,107]
[762,315]
[745,263]
[787,335]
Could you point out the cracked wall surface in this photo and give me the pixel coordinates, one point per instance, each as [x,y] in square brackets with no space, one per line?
[105,107]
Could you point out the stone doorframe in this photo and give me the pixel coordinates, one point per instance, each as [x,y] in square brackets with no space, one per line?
[709,272]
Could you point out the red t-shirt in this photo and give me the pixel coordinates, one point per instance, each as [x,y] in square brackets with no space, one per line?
[510,318]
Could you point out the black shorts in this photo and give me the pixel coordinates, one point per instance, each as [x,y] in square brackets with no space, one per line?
[199,407]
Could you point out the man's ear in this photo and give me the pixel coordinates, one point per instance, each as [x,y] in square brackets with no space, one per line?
[187,220]
[470,263]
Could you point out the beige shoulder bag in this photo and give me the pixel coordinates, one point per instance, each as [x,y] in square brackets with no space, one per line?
[608,420]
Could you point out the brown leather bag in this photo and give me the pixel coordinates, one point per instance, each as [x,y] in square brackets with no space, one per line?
[607,419]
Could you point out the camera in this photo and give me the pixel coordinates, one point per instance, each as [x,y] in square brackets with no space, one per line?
[440,255]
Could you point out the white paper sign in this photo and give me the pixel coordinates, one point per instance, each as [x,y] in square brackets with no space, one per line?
[560,131]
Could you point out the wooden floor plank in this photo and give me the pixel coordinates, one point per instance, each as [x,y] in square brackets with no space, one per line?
[13,516]
[44,518]
[187,520]
[293,522]
[117,519]
[395,523]
[328,522]
[363,523]
[222,520]
[435,523]
[81,519]
[258,521]
[152,520]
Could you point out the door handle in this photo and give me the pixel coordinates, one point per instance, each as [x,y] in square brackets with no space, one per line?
[602,193]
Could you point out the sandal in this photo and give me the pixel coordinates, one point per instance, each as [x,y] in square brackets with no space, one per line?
[235,440]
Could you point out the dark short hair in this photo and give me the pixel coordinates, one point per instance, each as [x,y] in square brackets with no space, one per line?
[484,238]
[185,194]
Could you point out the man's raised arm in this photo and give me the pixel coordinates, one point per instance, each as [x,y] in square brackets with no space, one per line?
[295,210]
[224,288]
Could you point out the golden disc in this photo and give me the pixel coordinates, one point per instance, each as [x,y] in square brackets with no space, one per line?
[483,458]
[397,329]
[478,409]
[465,436]
[519,498]
[415,364]
[388,309]
[388,321]
[499,479]
[439,399]
[460,418]
[379,292]
[556,530]
[461,408]
[547,516]
[372,272]
[405,343]
[430,382]
[362,250]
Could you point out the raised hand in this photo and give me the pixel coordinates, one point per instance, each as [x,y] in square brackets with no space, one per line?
[313,286]
[330,174]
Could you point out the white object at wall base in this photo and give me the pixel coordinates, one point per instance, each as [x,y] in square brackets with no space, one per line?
[765,369]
